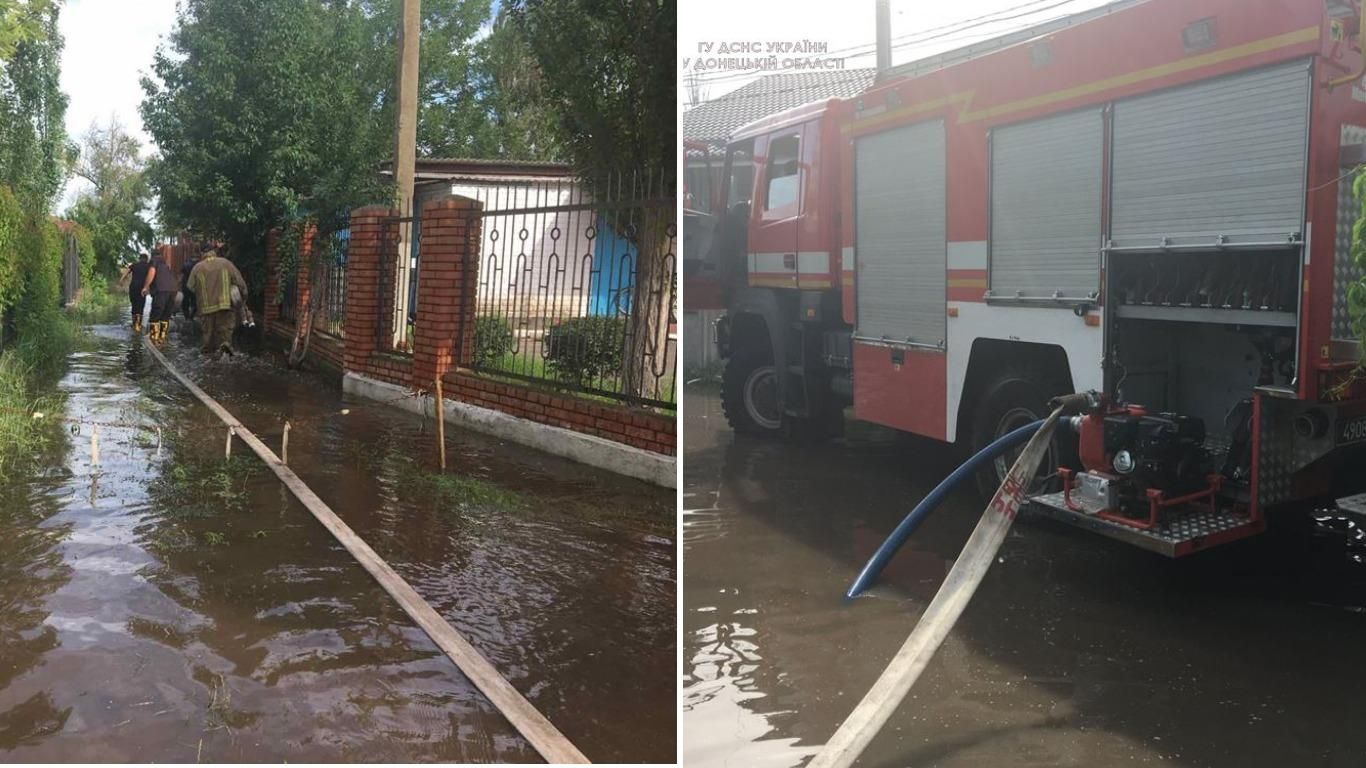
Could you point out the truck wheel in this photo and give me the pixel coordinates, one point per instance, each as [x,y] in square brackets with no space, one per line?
[1013,401]
[749,395]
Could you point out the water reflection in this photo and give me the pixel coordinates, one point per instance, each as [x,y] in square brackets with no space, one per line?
[189,608]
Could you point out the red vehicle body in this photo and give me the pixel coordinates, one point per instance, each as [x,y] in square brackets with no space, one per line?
[1150,200]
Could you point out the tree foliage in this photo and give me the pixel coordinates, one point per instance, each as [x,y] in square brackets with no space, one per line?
[268,111]
[35,155]
[261,109]
[607,71]
[112,208]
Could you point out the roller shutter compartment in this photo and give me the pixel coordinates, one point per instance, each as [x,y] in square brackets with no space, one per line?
[900,231]
[1046,194]
[1220,161]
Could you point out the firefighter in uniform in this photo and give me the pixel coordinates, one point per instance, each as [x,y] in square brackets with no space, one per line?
[212,281]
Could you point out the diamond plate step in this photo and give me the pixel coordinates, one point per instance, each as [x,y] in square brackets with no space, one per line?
[1354,504]
[1188,531]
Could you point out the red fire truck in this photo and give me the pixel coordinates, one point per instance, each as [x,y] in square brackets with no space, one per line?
[1150,200]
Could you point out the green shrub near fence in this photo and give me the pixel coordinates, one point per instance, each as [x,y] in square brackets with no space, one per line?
[584,349]
[493,339]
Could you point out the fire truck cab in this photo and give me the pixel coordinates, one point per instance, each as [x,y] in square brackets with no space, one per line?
[1151,200]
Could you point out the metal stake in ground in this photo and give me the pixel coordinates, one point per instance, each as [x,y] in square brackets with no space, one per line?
[440,424]
[530,723]
[284,445]
[943,612]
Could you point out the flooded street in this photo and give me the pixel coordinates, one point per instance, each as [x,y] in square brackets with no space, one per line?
[1076,651]
[174,607]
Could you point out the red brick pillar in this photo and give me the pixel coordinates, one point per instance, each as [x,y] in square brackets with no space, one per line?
[272,308]
[303,285]
[369,243]
[444,336]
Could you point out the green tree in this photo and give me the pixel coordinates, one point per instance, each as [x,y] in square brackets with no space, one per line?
[524,123]
[35,153]
[34,157]
[261,110]
[111,209]
[607,69]
[22,21]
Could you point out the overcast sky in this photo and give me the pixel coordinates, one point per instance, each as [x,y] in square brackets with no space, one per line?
[919,28]
[109,44]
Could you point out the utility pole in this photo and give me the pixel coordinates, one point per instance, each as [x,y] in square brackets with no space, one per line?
[884,37]
[405,149]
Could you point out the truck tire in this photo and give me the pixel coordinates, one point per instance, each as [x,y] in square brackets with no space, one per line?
[1012,401]
[749,395]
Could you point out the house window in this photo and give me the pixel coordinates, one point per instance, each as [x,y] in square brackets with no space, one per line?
[782,172]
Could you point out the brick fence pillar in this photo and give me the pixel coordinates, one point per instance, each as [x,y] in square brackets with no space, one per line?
[369,244]
[444,334]
[272,308]
[303,284]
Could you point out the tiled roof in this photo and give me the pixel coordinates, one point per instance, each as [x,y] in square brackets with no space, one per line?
[713,121]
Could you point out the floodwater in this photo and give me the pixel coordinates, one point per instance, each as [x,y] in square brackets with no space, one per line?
[180,607]
[1076,651]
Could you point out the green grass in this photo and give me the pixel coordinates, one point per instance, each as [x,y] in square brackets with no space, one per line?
[22,437]
[450,490]
[99,304]
[515,364]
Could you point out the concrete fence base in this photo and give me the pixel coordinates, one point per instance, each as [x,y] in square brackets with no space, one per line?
[586,449]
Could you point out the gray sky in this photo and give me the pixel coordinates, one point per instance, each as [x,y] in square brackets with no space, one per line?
[919,28]
[109,43]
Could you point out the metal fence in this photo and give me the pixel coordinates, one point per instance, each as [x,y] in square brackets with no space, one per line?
[329,281]
[399,305]
[577,292]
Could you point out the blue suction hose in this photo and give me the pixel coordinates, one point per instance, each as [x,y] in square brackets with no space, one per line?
[903,531]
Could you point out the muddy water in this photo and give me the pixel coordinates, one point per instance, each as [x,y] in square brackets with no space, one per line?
[1075,652]
[180,608]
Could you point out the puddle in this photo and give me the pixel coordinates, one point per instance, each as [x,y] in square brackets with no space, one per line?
[183,608]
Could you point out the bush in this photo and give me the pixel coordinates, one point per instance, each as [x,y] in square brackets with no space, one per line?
[586,348]
[11,227]
[493,338]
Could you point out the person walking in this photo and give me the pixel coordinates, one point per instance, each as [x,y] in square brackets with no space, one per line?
[187,298]
[212,281]
[163,285]
[137,280]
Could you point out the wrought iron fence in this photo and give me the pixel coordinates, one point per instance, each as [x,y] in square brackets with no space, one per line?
[578,292]
[288,301]
[398,294]
[330,281]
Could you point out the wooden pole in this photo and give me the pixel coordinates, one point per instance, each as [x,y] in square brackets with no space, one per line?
[441,423]
[158,442]
[94,446]
[405,150]
[534,727]
[284,445]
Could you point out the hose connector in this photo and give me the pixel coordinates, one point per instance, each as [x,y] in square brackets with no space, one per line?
[1081,402]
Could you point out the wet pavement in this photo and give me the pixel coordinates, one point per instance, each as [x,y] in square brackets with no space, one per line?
[177,607]
[1076,651]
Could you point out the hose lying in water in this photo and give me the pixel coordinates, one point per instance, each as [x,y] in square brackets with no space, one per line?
[948,605]
[868,576]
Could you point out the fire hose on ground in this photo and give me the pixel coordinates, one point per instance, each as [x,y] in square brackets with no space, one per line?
[877,706]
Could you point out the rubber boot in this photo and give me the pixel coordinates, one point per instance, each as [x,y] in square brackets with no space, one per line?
[161,331]
[137,324]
